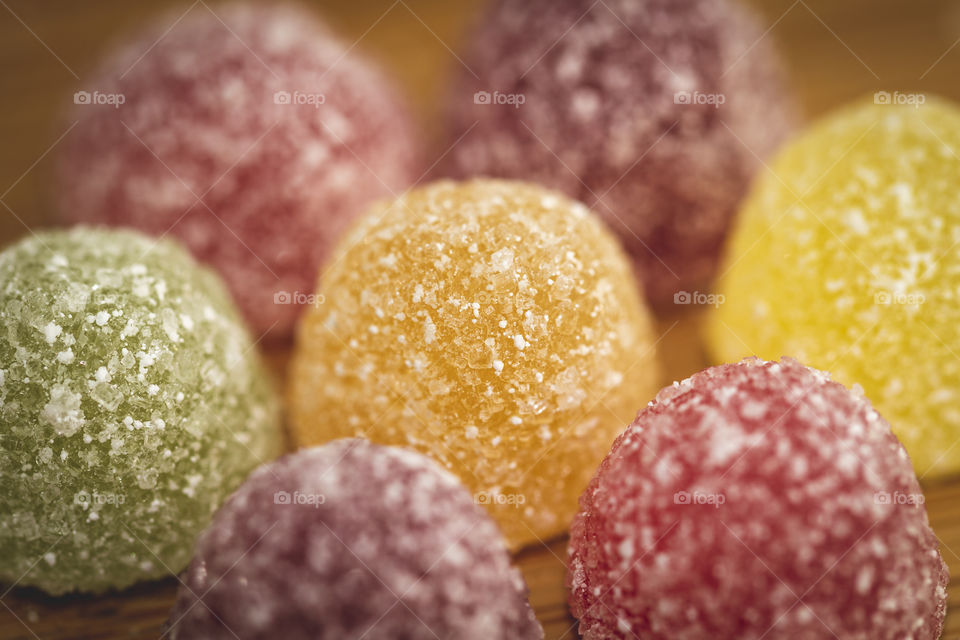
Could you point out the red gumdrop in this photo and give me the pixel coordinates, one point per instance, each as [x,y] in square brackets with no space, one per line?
[756,500]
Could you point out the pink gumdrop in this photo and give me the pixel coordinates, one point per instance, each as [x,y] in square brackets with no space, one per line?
[756,500]
[251,133]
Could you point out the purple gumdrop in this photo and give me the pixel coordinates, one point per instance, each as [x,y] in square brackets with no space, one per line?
[352,540]
[655,113]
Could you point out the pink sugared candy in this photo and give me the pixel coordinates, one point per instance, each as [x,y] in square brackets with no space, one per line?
[757,499]
[352,540]
[251,133]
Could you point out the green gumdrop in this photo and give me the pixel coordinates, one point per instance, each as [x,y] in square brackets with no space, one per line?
[132,402]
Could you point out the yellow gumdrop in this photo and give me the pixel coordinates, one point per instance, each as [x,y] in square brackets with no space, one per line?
[492,325]
[847,257]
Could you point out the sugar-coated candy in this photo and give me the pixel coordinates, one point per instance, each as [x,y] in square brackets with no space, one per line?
[132,402]
[493,325]
[352,540]
[757,499]
[846,258]
[252,133]
[652,112]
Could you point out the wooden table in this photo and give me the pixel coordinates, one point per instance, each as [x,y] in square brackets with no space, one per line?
[835,51]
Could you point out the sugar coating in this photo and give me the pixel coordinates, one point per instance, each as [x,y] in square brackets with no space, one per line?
[353,540]
[494,326]
[263,113]
[756,499]
[846,258]
[599,120]
[132,402]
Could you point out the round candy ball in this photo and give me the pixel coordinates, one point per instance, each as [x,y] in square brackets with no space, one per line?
[252,134]
[845,257]
[756,499]
[352,540]
[132,402]
[652,112]
[492,325]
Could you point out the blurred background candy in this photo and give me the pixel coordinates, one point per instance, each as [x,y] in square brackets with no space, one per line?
[352,540]
[756,499]
[846,258]
[833,51]
[131,403]
[253,134]
[494,325]
[655,113]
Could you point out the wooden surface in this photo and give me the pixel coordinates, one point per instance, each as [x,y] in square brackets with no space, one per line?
[835,50]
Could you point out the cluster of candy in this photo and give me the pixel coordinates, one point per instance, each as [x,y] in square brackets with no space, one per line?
[475,346]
